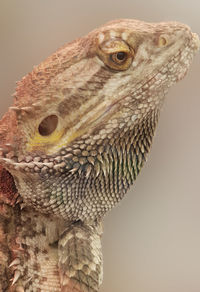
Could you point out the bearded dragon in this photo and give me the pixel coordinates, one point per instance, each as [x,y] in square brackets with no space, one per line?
[73,143]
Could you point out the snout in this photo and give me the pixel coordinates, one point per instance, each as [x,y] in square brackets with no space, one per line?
[196,41]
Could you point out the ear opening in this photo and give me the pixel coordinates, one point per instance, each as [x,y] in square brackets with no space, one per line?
[48,125]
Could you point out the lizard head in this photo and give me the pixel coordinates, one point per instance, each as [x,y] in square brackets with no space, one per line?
[83,120]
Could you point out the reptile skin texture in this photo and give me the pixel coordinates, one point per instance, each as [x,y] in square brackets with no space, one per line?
[73,143]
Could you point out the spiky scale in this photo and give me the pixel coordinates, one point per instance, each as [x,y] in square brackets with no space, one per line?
[16,277]
[14,262]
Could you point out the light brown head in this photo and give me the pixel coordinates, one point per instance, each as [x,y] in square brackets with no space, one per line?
[83,120]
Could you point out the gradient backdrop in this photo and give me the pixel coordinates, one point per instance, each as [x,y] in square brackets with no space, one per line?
[151,242]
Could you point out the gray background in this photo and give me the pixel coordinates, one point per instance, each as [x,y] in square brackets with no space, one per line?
[152,241]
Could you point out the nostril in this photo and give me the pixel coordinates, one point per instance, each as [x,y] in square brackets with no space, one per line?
[162,41]
[48,125]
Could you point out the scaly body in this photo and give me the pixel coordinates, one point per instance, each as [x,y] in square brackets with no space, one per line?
[75,140]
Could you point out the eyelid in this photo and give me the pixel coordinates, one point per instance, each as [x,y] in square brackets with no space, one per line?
[114,46]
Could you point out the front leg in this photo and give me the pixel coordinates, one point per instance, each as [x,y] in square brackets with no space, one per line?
[80,258]
[34,262]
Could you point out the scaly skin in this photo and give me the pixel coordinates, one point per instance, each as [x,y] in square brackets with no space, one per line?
[74,141]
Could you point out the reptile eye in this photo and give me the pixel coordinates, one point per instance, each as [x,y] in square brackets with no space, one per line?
[116,54]
[119,57]
[48,125]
